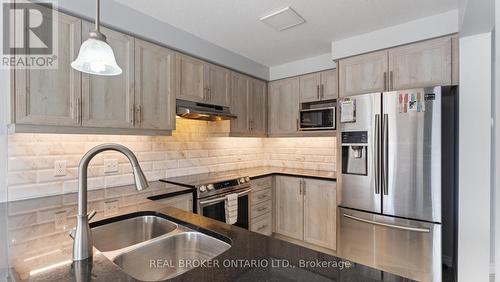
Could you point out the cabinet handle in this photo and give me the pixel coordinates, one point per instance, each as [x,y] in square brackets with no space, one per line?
[391,83]
[300,187]
[261,209]
[78,110]
[140,114]
[385,81]
[322,92]
[262,227]
[318,95]
[303,187]
[297,124]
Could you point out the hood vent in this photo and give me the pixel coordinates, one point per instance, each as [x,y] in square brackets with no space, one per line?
[201,111]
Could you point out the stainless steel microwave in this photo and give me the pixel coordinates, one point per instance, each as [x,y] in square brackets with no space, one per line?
[317,119]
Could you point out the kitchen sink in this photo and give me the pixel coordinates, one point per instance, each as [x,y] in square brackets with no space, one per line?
[131,231]
[170,256]
[151,248]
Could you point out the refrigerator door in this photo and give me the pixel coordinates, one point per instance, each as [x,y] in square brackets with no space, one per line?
[407,248]
[360,163]
[411,154]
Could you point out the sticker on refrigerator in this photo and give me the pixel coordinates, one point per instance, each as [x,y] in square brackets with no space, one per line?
[412,103]
[347,110]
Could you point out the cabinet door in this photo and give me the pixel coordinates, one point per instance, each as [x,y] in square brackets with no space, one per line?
[363,74]
[258,107]
[49,97]
[310,87]
[284,107]
[219,85]
[240,103]
[320,213]
[289,207]
[108,101]
[421,65]
[329,85]
[190,78]
[154,83]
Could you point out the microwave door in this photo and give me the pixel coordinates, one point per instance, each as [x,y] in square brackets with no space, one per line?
[317,119]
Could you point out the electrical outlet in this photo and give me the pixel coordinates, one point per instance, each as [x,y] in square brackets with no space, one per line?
[60,168]
[110,165]
[60,219]
[110,208]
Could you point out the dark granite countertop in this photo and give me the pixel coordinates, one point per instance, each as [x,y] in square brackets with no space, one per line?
[255,172]
[33,247]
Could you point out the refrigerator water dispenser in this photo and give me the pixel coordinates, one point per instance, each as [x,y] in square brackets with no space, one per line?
[354,152]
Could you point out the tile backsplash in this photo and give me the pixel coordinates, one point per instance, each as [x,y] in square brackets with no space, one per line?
[194,147]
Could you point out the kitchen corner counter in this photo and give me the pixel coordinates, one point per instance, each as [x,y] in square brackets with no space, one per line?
[38,249]
[203,178]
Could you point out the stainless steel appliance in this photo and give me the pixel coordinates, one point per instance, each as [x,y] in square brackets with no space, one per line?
[392,162]
[317,119]
[211,196]
[202,111]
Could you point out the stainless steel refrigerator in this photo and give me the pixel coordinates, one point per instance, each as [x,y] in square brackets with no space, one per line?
[391,182]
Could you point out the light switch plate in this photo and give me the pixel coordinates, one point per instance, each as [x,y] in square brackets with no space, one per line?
[60,219]
[110,208]
[60,168]
[110,165]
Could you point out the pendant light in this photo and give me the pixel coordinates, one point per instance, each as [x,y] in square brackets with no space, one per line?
[96,56]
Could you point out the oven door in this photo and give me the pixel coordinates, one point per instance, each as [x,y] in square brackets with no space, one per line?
[214,207]
[317,119]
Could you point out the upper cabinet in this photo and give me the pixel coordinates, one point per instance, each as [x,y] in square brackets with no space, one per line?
[51,97]
[363,74]
[154,86]
[283,115]
[318,86]
[424,64]
[249,105]
[190,79]
[419,65]
[108,101]
[199,81]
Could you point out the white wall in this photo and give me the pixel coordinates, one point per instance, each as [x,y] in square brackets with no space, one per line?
[307,65]
[417,30]
[131,21]
[474,158]
[4,114]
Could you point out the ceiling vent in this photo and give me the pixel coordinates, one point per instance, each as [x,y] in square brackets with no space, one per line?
[283,19]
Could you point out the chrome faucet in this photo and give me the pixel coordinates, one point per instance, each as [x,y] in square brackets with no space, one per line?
[82,244]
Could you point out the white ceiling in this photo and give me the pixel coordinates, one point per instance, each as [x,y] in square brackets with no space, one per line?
[235,25]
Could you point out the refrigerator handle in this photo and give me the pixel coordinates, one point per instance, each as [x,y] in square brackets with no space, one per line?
[377,154]
[406,228]
[385,154]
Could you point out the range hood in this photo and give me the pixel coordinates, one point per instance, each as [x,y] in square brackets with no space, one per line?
[201,111]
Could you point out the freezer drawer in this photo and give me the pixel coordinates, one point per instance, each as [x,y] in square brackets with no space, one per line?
[407,248]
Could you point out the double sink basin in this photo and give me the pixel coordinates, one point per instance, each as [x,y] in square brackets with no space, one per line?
[151,248]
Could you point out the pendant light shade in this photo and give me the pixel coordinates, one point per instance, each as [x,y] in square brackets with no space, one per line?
[96,56]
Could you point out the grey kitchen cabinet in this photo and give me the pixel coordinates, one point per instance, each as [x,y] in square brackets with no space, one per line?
[261,208]
[363,74]
[320,212]
[283,115]
[109,101]
[190,79]
[202,82]
[423,64]
[218,85]
[289,207]
[318,86]
[306,210]
[249,105]
[154,86]
[51,96]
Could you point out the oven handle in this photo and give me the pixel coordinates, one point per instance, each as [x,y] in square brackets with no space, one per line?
[216,200]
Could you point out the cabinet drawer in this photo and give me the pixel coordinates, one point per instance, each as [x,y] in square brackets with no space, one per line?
[262,225]
[261,208]
[261,196]
[262,183]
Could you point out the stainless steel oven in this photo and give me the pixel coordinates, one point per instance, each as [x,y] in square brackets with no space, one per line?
[317,119]
[214,207]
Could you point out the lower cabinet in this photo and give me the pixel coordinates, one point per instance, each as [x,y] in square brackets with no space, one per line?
[183,202]
[261,206]
[305,210]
